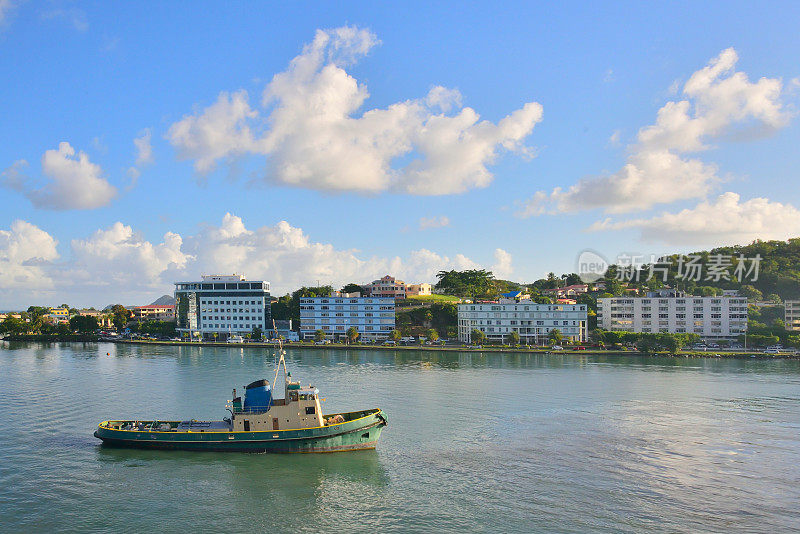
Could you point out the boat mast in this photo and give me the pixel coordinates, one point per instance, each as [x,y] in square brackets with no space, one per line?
[281,360]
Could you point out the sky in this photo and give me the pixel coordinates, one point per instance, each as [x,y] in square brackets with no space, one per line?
[319,143]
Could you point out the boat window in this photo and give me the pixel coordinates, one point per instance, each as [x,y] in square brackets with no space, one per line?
[246,426]
[310,410]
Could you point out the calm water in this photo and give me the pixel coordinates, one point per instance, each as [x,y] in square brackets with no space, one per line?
[484,443]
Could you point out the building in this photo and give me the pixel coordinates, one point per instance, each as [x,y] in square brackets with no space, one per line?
[419,290]
[791,317]
[153,312]
[712,318]
[386,287]
[104,320]
[59,315]
[373,317]
[567,291]
[222,305]
[533,322]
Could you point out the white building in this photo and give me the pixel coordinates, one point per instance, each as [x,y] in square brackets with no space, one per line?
[222,305]
[533,322]
[373,317]
[792,315]
[712,318]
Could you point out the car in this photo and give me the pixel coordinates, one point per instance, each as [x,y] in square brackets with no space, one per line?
[389,342]
[557,347]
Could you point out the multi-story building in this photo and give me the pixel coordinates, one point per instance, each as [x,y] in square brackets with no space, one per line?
[373,317]
[59,315]
[712,318]
[792,315]
[533,322]
[154,312]
[104,320]
[386,287]
[222,305]
[420,290]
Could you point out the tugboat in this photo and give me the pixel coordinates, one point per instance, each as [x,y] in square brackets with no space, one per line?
[259,424]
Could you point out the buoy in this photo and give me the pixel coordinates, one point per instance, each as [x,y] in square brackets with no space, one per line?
[108,354]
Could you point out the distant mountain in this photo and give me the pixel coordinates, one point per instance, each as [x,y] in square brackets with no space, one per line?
[164,300]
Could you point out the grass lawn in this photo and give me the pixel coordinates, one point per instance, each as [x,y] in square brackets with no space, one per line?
[434,298]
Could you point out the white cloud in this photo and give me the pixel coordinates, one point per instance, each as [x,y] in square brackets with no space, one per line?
[313,137]
[5,7]
[73,182]
[118,264]
[75,17]
[25,251]
[144,150]
[502,267]
[725,220]
[426,223]
[718,103]
[117,255]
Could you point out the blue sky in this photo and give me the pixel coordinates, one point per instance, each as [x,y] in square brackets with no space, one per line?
[98,76]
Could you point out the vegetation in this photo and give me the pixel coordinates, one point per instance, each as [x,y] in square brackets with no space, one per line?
[477,337]
[513,338]
[352,288]
[440,316]
[352,334]
[555,336]
[473,282]
[319,335]
[83,324]
[433,335]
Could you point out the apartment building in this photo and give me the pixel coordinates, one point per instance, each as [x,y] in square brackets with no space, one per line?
[791,317]
[153,312]
[420,290]
[712,318]
[373,317]
[58,315]
[387,286]
[533,322]
[222,305]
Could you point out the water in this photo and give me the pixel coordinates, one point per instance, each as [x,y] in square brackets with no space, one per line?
[475,442]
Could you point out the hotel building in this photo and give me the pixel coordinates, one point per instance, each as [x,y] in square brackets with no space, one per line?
[386,287]
[154,312]
[420,290]
[712,318]
[792,315]
[222,305]
[373,317]
[533,322]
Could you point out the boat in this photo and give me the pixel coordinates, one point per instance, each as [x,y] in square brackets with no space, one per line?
[258,423]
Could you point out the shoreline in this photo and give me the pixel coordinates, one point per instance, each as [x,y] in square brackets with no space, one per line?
[430,348]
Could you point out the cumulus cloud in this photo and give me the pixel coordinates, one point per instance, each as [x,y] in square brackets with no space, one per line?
[25,251]
[119,261]
[310,129]
[73,182]
[117,256]
[725,220]
[426,223]
[502,267]
[144,155]
[719,103]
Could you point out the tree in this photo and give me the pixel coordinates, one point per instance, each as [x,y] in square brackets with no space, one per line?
[352,334]
[83,324]
[472,282]
[751,293]
[555,336]
[352,288]
[319,335]
[513,338]
[395,335]
[257,333]
[121,316]
[433,334]
[477,337]
[12,325]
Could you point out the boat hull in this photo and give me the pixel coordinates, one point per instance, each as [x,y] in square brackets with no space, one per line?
[359,433]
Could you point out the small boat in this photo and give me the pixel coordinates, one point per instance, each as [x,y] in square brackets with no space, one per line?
[260,424]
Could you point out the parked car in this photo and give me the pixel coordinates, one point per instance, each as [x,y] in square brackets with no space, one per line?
[389,342]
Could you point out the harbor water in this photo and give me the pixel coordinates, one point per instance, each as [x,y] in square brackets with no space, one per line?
[478,442]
